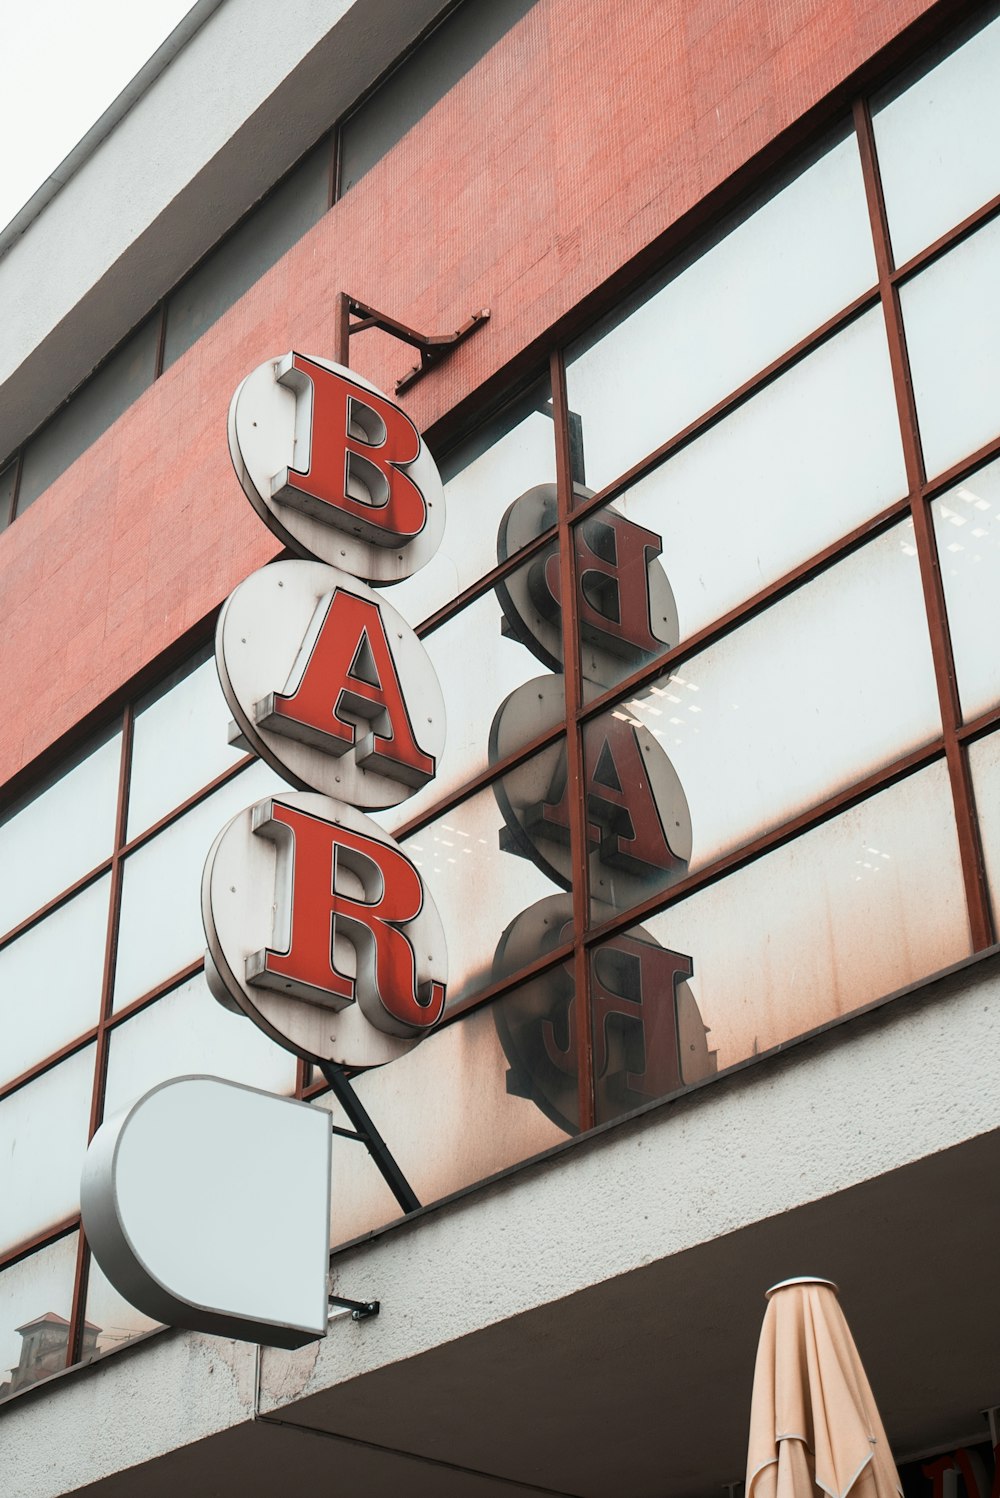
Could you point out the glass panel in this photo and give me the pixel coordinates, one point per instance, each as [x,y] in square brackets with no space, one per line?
[952,318]
[984,762]
[939,144]
[179,742]
[88,413]
[503,1081]
[50,980]
[51,839]
[855,909]
[815,454]
[111,1321]
[511,454]
[36,1298]
[7,480]
[781,272]
[188,1032]
[423,78]
[967,525]
[480,663]
[478,899]
[43,1139]
[160,930]
[278,222]
[822,689]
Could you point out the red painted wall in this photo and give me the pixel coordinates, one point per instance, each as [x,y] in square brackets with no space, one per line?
[588,131]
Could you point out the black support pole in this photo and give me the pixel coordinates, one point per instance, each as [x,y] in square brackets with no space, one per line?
[370,1136]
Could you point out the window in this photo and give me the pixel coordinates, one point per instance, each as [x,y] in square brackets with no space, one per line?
[732,616]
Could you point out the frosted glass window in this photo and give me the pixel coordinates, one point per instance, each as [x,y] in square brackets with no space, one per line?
[984,762]
[188,1032]
[967,527]
[506,457]
[54,837]
[179,743]
[865,904]
[485,1116]
[815,454]
[36,1297]
[50,980]
[780,273]
[279,221]
[477,882]
[111,1320]
[108,392]
[43,1139]
[478,666]
[952,317]
[161,930]
[822,689]
[939,144]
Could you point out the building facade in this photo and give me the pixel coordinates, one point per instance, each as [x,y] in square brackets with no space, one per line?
[715,838]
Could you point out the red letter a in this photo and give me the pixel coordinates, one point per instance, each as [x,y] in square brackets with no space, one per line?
[349,668]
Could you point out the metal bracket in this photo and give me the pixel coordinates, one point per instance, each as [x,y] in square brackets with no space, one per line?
[360,1309]
[367,1134]
[431,347]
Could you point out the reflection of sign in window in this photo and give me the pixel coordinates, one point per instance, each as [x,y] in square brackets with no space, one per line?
[649,1038]
[647,1035]
[625,604]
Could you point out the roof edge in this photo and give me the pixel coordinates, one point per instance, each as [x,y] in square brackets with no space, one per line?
[102,127]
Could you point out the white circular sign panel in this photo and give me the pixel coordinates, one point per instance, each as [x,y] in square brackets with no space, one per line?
[274,421]
[267,640]
[242,896]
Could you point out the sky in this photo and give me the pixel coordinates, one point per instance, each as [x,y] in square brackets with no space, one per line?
[64,61]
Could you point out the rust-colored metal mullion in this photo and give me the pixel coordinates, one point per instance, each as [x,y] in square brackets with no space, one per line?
[135,1006]
[509,982]
[959,472]
[44,1239]
[976,728]
[223,778]
[727,405]
[79,1043]
[575,763]
[342,330]
[75,1344]
[769,842]
[742,613]
[967,824]
[480,782]
[53,904]
[485,584]
[946,242]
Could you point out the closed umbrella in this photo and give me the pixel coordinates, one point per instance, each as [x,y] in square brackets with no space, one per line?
[814,1426]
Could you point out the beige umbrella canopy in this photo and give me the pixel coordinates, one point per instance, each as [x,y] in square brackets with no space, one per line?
[814,1427]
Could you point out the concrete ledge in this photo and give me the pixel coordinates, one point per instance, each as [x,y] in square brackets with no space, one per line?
[657,1235]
